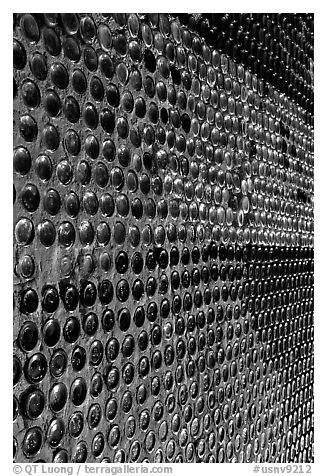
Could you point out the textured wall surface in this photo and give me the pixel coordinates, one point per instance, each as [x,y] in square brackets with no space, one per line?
[163,238]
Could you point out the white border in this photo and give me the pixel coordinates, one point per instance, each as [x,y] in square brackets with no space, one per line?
[6,261]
